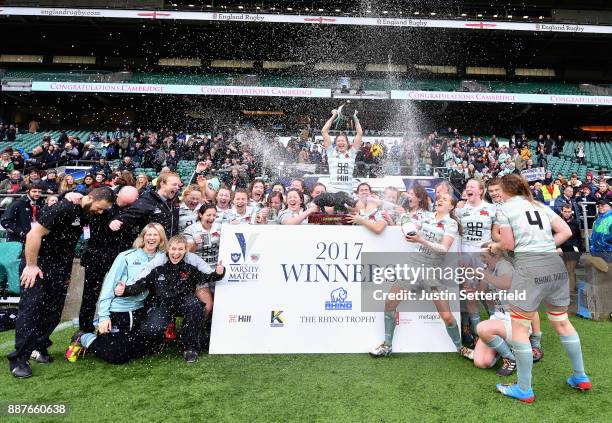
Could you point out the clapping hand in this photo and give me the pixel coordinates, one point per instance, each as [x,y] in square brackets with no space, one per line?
[120,289]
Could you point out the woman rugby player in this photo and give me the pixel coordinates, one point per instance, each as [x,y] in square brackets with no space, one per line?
[533,231]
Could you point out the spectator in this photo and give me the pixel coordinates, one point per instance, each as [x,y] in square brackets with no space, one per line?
[50,183]
[234,180]
[6,165]
[567,198]
[550,191]
[88,184]
[172,160]
[67,184]
[101,166]
[603,191]
[11,185]
[18,160]
[127,164]
[142,183]
[601,237]
[91,153]
[585,196]
[18,218]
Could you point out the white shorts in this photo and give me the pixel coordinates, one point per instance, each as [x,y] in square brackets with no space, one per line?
[505,317]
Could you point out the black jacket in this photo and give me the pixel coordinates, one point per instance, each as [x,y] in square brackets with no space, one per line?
[170,283]
[17,219]
[575,240]
[150,208]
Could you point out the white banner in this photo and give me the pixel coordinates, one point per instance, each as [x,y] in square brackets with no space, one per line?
[297,289]
[588,100]
[534,174]
[303,19]
[125,88]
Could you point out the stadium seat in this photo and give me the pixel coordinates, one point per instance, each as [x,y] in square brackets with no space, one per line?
[10,253]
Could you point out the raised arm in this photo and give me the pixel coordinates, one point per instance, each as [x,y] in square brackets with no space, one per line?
[325,130]
[359,133]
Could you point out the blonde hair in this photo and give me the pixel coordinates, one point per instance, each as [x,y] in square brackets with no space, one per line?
[177,239]
[163,243]
[64,186]
[146,182]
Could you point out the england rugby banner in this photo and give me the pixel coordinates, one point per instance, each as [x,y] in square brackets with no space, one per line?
[299,289]
[246,18]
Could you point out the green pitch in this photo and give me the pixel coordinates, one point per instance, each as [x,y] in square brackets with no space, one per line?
[339,388]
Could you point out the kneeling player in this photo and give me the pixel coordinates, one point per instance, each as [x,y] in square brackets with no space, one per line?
[172,288]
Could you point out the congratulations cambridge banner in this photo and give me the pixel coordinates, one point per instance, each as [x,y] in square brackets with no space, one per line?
[298,289]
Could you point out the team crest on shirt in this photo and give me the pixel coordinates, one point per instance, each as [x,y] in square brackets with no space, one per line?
[183,276]
[161,278]
[440,225]
[77,222]
[484,213]
[157,210]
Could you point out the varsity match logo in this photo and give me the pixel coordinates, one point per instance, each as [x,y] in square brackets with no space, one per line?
[244,266]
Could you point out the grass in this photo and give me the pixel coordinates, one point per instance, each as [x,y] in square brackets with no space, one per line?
[339,388]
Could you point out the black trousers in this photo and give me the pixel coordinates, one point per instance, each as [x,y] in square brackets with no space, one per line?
[124,342]
[96,264]
[336,200]
[159,316]
[40,311]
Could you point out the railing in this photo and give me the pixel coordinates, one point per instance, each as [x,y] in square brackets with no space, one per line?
[585,222]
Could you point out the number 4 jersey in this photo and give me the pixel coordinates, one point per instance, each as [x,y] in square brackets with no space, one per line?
[530,223]
[476,223]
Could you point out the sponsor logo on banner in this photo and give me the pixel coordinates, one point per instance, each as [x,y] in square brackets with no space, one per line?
[429,317]
[239,318]
[276,320]
[244,267]
[334,319]
[338,300]
[402,319]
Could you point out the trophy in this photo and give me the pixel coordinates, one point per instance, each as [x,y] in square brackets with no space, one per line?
[409,228]
[346,113]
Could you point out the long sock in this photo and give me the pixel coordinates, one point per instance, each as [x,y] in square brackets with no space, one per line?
[524,363]
[501,346]
[455,335]
[571,345]
[87,339]
[389,327]
[474,320]
[536,339]
[465,318]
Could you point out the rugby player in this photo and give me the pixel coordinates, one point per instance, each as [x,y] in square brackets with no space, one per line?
[533,231]
[341,163]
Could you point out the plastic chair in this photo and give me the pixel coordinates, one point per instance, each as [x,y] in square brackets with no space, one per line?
[10,258]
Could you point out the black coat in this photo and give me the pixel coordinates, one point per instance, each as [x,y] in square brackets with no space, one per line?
[150,208]
[17,219]
[170,283]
